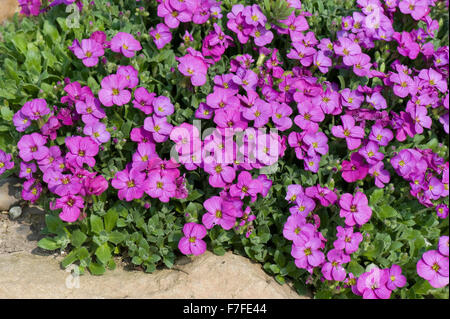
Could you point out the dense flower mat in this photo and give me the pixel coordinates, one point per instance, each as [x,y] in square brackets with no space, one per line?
[310,137]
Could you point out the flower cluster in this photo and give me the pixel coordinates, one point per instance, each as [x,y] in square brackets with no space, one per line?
[433,266]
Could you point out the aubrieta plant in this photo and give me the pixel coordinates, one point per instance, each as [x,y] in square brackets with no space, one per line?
[310,137]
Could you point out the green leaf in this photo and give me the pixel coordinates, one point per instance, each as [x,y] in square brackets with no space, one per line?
[54,224]
[111,219]
[48,244]
[33,59]
[116,237]
[96,224]
[376,196]
[70,258]
[6,113]
[220,251]
[103,253]
[51,31]
[355,268]
[96,269]
[386,211]
[78,238]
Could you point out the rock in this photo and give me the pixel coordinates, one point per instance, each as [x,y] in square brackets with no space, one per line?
[207,276]
[15,212]
[10,193]
[9,7]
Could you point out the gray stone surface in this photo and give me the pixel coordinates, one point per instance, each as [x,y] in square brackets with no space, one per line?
[15,212]
[30,272]
[26,275]
[9,193]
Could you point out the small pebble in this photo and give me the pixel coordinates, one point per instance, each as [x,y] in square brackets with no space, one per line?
[15,212]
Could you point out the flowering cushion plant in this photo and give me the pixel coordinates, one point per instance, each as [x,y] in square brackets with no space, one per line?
[310,139]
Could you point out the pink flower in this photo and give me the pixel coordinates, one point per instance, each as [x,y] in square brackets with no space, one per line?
[71,207]
[6,163]
[159,127]
[81,150]
[162,106]
[125,43]
[354,170]
[130,183]
[355,209]
[352,134]
[161,186]
[372,285]
[143,100]
[193,67]
[416,8]
[130,73]
[35,109]
[217,214]
[90,110]
[113,90]
[89,51]
[32,147]
[192,243]
[434,267]
[161,35]
[395,279]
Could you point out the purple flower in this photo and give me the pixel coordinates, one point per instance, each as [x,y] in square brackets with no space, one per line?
[125,43]
[161,35]
[31,190]
[306,252]
[71,207]
[219,174]
[354,170]
[81,150]
[161,186]
[416,8]
[442,211]
[113,90]
[144,153]
[217,215]
[159,127]
[443,245]
[381,175]
[333,270]
[355,209]
[6,163]
[192,243]
[372,284]
[21,122]
[433,267]
[193,67]
[347,240]
[303,205]
[30,7]
[326,196]
[317,143]
[309,116]
[173,13]
[296,227]
[162,106]
[281,116]
[260,113]
[96,185]
[97,131]
[352,134]
[26,169]
[35,109]
[130,73]
[89,51]
[370,153]
[420,118]
[395,279]
[246,186]
[143,100]
[90,110]
[130,183]
[380,135]
[32,147]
